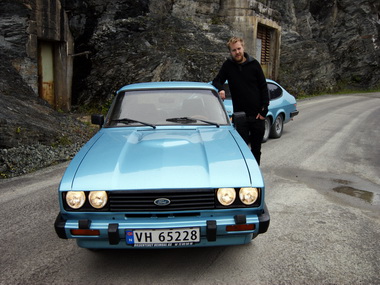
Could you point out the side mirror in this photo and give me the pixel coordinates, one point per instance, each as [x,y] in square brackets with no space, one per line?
[97,120]
[238,118]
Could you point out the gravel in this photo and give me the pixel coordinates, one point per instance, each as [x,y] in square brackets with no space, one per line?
[28,155]
[25,159]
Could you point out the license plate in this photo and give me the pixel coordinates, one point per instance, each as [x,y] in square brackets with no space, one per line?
[163,237]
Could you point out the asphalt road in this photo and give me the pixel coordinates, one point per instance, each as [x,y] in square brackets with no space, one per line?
[323,193]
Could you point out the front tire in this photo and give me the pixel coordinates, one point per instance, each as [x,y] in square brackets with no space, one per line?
[277,127]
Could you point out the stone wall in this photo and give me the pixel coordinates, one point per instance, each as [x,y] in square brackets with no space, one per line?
[326,45]
[24,117]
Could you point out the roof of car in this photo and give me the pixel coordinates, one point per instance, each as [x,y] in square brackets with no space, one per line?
[267,79]
[167,85]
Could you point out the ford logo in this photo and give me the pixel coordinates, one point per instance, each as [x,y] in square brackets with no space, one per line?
[162,202]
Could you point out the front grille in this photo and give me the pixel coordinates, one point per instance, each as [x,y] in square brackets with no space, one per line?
[143,201]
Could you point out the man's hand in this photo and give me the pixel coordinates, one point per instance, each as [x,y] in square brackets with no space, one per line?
[260,117]
[222,94]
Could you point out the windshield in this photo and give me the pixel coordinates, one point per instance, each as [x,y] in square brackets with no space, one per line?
[167,107]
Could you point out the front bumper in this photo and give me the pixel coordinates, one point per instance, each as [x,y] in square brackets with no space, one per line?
[112,232]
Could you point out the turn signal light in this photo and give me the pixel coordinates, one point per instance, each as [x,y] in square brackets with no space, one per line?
[237,228]
[81,232]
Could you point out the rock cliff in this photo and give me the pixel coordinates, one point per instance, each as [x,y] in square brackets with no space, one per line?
[326,45]
[329,45]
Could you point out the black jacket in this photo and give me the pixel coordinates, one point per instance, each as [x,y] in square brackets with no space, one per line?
[248,87]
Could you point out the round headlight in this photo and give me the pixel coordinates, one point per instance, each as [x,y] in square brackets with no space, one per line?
[98,199]
[226,196]
[248,195]
[75,199]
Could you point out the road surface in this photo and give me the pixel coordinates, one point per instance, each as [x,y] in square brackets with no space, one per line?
[323,193]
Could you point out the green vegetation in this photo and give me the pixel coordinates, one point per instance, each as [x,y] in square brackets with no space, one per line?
[216,20]
[95,109]
[63,140]
[338,92]
[3,175]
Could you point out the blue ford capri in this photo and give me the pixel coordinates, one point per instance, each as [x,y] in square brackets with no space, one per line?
[282,109]
[166,169]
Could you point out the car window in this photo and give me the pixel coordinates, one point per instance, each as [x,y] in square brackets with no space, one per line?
[157,106]
[274,91]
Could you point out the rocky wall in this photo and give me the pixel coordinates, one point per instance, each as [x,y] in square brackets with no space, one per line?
[326,45]
[329,45]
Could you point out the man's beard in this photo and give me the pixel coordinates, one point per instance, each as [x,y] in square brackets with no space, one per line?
[239,58]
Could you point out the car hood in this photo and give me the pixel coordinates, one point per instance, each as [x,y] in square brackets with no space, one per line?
[120,159]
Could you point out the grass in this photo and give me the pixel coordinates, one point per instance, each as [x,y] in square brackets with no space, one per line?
[340,92]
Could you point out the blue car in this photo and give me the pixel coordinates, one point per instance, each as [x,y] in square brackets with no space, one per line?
[282,108]
[166,169]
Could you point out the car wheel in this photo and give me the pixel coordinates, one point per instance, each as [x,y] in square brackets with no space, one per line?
[267,130]
[277,127]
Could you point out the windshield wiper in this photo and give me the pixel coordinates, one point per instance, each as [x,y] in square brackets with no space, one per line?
[128,121]
[210,123]
[188,120]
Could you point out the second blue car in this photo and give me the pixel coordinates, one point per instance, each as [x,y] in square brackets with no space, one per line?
[282,108]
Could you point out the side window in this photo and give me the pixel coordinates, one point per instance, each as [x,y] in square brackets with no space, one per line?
[274,91]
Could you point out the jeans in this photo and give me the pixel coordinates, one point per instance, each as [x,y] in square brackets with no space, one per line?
[252,131]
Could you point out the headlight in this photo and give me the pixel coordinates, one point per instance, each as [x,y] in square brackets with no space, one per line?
[98,199]
[226,196]
[248,195]
[75,199]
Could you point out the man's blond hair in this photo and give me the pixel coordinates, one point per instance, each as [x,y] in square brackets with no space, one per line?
[234,40]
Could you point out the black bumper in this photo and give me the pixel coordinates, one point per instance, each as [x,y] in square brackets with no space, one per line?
[264,220]
[59,226]
[294,113]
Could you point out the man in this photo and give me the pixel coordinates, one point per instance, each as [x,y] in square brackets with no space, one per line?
[249,92]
